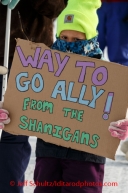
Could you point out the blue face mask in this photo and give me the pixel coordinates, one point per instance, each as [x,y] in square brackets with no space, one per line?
[88,48]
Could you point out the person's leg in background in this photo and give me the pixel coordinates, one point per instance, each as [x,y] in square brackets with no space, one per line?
[14,157]
[124,148]
[117,33]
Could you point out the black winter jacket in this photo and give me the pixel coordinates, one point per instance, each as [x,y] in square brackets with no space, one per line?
[44,149]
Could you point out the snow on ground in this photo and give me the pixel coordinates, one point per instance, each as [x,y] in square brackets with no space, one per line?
[115,171]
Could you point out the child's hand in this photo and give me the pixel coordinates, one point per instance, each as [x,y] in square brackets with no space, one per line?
[4,119]
[119,129]
[11,4]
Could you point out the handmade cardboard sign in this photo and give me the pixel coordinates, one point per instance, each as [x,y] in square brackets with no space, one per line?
[65,99]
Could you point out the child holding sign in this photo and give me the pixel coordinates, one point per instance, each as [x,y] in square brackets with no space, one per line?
[59,169]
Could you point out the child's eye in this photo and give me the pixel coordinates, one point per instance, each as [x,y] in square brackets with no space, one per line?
[76,39]
[63,37]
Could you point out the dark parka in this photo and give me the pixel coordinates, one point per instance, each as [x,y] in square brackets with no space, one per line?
[33,20]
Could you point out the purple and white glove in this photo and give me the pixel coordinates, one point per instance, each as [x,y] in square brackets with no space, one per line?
[119,129]
[4,117]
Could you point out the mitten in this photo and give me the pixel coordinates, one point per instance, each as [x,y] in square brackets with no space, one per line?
[119,129]
[11,3]
[4,119]
[3,70]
